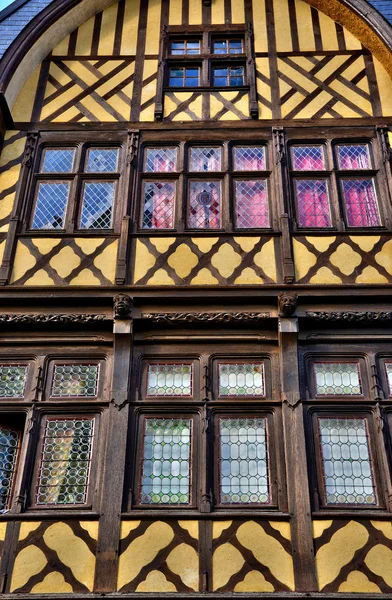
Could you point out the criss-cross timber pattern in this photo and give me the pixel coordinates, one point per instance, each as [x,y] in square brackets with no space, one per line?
[159,556]
[324,86]
[88,90]
[264,88]
[353,556]
[55,557]
[252,556]
[65,261]
[205,261]
[343,259]
[10,165]
[216,106]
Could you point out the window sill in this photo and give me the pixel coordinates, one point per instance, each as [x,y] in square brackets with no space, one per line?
[228,88]
[215,514]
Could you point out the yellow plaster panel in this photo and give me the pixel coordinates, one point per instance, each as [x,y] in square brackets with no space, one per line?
[345,259]
[226,561]
[13,150]
[3,529]
[23,107]
[91,527]
[183,260]
[127,527]
[108,27]
[192,527]
[53,583]
[153,27]
[282,26]
[160,277]
[142,551]
[204,277]
[217,12]
[237,11]
[365,242]
[328,32]
[2,248]
[305,26]
[88,246]
[106,261]
[149,90]
[226,260]
[85,277]
[268,551]
[246,243]
[371,275]
[175,12]
[23,261]
[156,582]
[85,38]
[265,259]
[184,562]
[319,527]
[143,261]
[72,551]
[62,48]
[218,527]
[254,582]
[303,259]
[283,528]
[205,244]
[264,89]
[352,43]
[384,526]
[162,244]
[384,257]
[29,561]
[260,26]
[26,528]
[195,12]
[130,27]
[65,261]
[358,583]
[325,276]
[331,557]
[379,561]
[321,243]
[45,245]
[249,277]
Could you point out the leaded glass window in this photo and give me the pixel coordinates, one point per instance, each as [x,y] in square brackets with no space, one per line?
[361,203]
[308,158]
[159,197]
[249,158]
[166,461]
[205,204]
[354,157]
[58,160]
[97,205]
[347,463]
[313,208]
[78,380]
[12,380]
[50,205]
[251,201]
[241,379]
[102,160]
[337,379]
[206,159]
[388,368]
[65,461]
[9,449]
[243,461]
[161,160]
[169,379]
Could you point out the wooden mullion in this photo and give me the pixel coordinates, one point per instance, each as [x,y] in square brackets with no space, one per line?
[251,72]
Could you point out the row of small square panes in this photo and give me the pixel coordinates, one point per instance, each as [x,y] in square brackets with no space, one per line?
[62,160]
[349,157]
[68,380]
[204,159]
[193,47]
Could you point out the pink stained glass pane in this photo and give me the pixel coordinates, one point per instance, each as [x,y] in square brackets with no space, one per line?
[313,203]
[249,159]
[204,204]
[308,158]
[361,203]
[354,157]
[252,204]
[161,160]
[158,205]
[205,159]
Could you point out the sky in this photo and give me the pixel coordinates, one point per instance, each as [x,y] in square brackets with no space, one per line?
[4,3]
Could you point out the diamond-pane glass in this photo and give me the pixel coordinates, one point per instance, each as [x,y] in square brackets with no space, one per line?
[159,205]
[251,200]
[308,158]
[50,206]
[204,204]
[338,379]
[169,380]
[161,160]
[348,476]
[361,203]
[249,158]
[313,203]
[75,381]
[58,161]
[9,447]
[388,368]
[205,159]
[354,157]
[97,205]
[243,461]
[166,461]
[102,160]
[241,379]
[65,461]
[12,381]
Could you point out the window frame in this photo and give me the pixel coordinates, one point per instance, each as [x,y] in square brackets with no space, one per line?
[329,357]
[186,359]
[52,361]
[265,360]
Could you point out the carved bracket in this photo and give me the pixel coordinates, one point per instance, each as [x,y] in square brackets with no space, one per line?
[350,316]
[122,308]
[287,304]
[62,319]
[31,144]
[219,317]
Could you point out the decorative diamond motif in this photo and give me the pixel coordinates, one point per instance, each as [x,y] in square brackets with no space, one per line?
[102,160]
[205,159]
[337,379]
[161,160]
[308,158]
[348,476]
[249,158]
[75,381]
[9,447]
[65,461]
[252,203]
[50,206]
[313,203]
[97,206]
[243,461]
[58,161]
[169,380]
[159,205]
[241,379]
[361,203]
[354,157]
[166,461]
[12,381]
[204,204]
